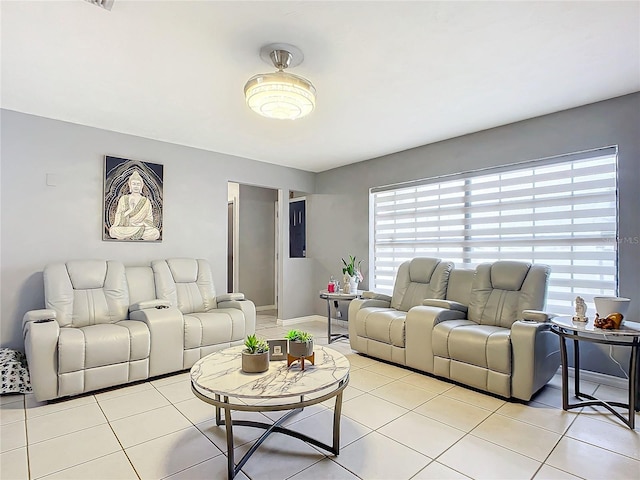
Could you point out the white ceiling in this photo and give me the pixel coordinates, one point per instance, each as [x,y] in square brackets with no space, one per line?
[389,75]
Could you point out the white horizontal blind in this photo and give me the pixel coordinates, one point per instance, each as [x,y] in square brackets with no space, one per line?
[562,213]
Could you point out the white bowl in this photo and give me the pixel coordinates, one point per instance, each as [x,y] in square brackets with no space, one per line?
[607,305]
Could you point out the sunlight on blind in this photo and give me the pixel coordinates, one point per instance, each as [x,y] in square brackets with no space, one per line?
[563,214]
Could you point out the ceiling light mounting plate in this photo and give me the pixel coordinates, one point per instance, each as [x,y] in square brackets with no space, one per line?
[296,54]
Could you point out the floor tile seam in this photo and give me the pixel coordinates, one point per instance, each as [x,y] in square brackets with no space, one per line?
[74,465]
[326,457]
[512,450]
[191,466]
[397,404]
[437,420]
[394,378]
[400,443]
[437,457]
[470,401]
[138,413]
[122,395]
[446,466]
[530,424]
[600,446]
[28,410]
[16,400]
[87,427]
[24,419]
[121,446]
[607,417]
[44,415]
[152,438]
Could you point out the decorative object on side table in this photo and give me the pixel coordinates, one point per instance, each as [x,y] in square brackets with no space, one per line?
[300,347]
[277,349]
[255,357]
[581,310]
[610,312]
[352,275]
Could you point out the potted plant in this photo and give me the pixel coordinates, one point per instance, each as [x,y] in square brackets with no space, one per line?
[255,357]
[300,343]
[352,275]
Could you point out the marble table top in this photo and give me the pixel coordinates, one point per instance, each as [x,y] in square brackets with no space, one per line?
[630,329]
[221,373]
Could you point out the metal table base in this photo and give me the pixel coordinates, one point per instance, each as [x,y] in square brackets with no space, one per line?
[634,360]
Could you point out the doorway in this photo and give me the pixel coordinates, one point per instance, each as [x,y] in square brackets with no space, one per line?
[252,244]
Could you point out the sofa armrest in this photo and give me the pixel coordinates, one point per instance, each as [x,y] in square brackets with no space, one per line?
[248,309]
[447,304]
[166,329]
[157,303]
[536,357]
[376,296]
[419,326]
[41,331]
[39,316]
[229,297]
[537,316]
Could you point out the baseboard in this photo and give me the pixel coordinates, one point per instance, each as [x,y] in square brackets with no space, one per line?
[601,378]
[293,321]
[262,308]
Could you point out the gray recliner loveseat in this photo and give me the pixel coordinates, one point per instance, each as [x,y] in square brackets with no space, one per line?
[487,330]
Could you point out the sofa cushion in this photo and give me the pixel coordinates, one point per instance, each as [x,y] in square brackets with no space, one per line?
[503,289]
[382,324]
[418,279]
[86,292]
[484,346]
[186,282]
[102,344]
[219,326]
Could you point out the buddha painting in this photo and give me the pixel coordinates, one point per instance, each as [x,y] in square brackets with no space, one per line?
[130,209]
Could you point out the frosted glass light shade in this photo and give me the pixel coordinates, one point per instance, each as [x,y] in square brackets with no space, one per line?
[280,95]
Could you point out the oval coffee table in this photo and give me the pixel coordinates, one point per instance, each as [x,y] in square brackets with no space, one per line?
[219,380]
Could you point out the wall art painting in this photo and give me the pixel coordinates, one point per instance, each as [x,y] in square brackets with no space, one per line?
[133,201]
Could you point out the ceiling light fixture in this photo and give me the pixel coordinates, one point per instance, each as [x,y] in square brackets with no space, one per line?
[280,95]
[106,4]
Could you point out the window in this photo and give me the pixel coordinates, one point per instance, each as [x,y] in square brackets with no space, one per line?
[560,211]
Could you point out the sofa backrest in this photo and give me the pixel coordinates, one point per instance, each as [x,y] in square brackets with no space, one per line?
[142,286]
[459,286]
[186,282]
[86,292]
[503,289]
[418,279]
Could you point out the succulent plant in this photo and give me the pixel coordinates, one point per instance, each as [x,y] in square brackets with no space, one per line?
[255,344]
[298,336]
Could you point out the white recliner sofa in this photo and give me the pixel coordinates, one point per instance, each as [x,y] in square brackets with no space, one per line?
[106,324]
[488,332]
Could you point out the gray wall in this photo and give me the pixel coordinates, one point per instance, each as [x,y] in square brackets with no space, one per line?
[344,191]
[43,224]
[256,244]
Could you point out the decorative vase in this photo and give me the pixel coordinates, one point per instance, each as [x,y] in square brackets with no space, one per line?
[300,349]
[255,362]
[353,285]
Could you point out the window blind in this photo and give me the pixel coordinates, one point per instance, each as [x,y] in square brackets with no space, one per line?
[561,212]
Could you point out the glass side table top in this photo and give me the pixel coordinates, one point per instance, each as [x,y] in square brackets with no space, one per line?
[326,294]
[630,329]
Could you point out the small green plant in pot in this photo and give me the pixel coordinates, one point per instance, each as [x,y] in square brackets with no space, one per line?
[255,356]
[300,343]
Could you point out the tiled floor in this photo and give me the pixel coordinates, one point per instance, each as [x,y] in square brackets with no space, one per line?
[396,424]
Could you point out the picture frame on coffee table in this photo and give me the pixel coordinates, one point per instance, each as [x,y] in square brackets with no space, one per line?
[277,349]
